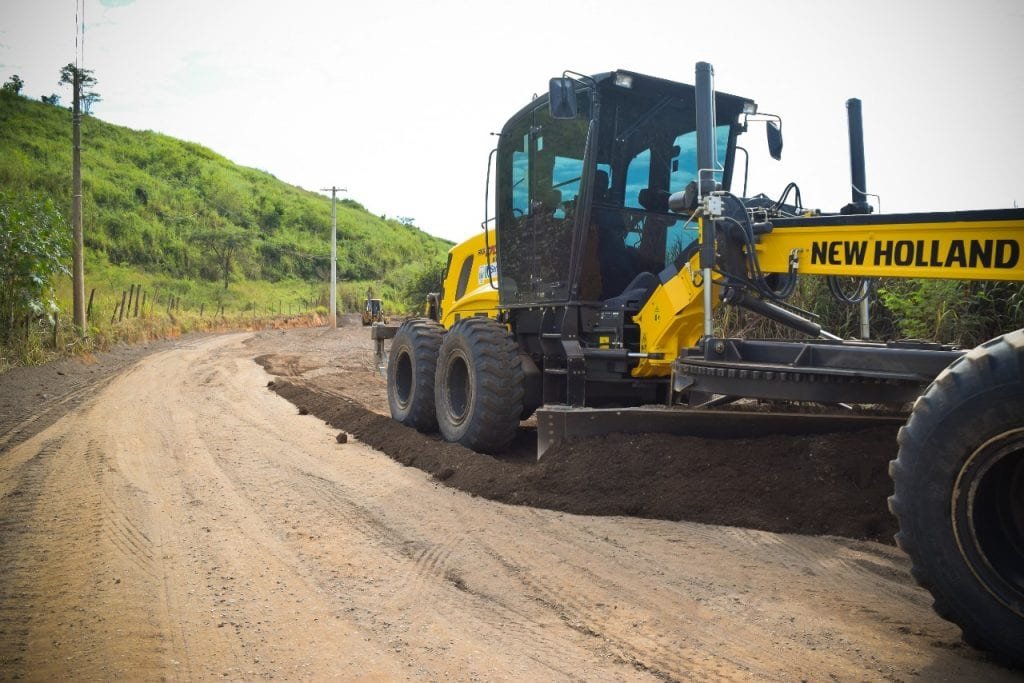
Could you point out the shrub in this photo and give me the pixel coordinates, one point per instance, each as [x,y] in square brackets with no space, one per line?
[34,247]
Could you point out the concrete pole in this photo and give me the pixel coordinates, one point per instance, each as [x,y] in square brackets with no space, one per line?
[332,318]
[77,254]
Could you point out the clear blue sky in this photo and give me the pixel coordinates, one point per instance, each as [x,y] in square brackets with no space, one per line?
[395,99]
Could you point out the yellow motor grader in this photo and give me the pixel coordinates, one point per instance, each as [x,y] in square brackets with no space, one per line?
[373,312]
[588,299]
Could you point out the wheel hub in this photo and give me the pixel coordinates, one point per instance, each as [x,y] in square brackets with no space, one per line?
[988,513]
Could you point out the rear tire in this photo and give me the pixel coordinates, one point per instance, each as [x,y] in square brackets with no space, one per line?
[412,363]
[959,494]
[479,385]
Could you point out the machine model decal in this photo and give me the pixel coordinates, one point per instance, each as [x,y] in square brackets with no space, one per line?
[1003,254]
[487,269]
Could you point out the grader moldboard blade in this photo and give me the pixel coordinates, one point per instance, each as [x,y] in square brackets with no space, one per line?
[558,424]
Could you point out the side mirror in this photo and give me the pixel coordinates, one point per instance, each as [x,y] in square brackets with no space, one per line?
[774,131]
[562,98]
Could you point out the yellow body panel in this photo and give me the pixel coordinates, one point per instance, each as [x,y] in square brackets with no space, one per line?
[673,317]
[479,297]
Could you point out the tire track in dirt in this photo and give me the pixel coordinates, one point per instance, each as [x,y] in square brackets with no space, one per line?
[33,398]
[77,551]
[652,643]
[19,548]
[411,568]
[120,527]
[437,567]
[52,409]
[211,532]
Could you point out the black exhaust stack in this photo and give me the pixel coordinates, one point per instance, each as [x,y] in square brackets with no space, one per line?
[858,179]
[707,153]
[706,147]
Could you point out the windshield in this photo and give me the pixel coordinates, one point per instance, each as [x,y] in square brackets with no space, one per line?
[601,212]
[647,151]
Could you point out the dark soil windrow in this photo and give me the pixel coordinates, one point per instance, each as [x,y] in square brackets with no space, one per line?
[816,484]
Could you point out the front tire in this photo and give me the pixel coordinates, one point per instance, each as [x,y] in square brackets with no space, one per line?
[479,385]
[412,363]
[959,494]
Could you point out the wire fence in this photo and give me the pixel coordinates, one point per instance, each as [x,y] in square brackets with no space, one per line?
[138,302]
[139,313]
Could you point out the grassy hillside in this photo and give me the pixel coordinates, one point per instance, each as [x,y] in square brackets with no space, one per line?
[180,217]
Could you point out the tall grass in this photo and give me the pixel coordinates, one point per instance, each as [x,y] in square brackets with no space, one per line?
[166,308]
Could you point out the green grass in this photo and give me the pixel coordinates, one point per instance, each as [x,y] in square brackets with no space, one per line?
[177,220]
[165,207]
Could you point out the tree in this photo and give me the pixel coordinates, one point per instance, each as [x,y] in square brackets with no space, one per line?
[86,81]
[34,248]
[13,85]
[420,280]
[227,243]
[53,99]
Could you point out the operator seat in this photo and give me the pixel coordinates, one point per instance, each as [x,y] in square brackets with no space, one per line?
[636,293]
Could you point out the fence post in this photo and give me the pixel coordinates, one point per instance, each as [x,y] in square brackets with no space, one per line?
[124,295]
[143,306]
[138,291]
[131,295]
[88,309]
[201,309]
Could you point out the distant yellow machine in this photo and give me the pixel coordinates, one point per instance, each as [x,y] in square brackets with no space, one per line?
[373,312]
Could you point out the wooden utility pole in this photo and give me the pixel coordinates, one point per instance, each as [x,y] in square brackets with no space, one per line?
[332,318]
[77,258]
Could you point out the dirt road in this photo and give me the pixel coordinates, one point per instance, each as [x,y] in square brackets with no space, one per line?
[184,522]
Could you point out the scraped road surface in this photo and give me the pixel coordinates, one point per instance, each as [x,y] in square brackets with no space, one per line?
[185,523]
